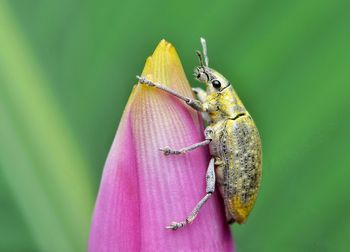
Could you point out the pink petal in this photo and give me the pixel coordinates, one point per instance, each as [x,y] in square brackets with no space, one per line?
[142,190]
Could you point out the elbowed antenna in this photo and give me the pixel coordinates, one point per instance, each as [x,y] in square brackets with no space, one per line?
[205,53]
[199,54]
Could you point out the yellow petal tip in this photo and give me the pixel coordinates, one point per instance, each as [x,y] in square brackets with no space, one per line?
[163,65]
[163,45]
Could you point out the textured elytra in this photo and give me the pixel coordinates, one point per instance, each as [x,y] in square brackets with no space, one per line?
[237,150]
[244,167]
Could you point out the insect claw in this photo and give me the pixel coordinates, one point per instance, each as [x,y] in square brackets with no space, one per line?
[143,80]
[170,227]
[174,225]
[165,150]
[168,151]
[140,78]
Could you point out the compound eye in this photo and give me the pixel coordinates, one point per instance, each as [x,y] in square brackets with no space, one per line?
[216,84]
[198,76]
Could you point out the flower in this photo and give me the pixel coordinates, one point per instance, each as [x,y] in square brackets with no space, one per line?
[142,190]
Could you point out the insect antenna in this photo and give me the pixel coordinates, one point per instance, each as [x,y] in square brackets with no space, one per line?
[200,58]
[205,52]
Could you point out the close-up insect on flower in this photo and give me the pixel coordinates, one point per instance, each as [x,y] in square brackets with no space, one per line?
[233,140]
[123,129]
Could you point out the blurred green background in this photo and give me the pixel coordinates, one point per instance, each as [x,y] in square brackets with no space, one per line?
[66,71]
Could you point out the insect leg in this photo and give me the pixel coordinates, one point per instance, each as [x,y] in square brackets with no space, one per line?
[195,104]
[210,178]
[202,96]
[168,151]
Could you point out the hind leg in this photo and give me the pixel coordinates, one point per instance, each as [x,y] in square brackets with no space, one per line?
[210,178]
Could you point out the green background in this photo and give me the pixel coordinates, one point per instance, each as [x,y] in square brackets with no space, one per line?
[67,69]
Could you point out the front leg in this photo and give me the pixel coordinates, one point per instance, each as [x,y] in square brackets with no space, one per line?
[195,104]
[202,97]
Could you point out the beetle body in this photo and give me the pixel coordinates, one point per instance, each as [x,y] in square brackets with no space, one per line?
[235,145]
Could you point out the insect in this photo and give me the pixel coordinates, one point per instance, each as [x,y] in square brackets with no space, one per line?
[233,139]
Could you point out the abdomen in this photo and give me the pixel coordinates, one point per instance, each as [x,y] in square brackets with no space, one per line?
[239,167]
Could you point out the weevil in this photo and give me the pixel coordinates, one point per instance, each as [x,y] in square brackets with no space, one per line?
[234,143]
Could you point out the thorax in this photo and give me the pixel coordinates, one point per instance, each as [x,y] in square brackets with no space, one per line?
[223,105]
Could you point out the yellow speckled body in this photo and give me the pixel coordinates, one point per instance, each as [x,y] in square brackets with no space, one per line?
[236,147]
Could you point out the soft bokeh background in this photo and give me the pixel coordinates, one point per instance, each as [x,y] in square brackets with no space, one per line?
[66,71]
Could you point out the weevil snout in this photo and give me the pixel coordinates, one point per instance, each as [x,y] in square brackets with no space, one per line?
[215,81]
